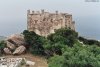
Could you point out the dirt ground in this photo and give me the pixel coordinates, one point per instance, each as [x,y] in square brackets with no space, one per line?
[39,61]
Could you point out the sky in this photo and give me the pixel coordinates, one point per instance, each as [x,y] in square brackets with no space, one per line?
[13,15]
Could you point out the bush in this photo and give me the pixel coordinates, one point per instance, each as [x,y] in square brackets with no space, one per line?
[77,57]
[51,45]
[56,61]
[2,45]
[64,35]
[89,41]
[34,42]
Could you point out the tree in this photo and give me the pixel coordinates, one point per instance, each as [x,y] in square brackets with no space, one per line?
[34,42]
[65,36]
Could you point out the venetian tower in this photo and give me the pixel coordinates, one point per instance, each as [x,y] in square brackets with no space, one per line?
[43,23]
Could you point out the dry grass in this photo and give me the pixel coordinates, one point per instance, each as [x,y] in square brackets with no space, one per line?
[39,61]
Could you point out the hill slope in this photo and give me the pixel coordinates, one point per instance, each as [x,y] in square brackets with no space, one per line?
[2,38]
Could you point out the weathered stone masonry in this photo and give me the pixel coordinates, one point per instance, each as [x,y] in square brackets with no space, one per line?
[44,23]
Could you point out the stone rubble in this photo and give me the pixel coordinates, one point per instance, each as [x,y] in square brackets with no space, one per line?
[14,62]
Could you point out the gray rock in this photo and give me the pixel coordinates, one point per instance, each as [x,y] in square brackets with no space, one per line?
[19,50]
[10,45]
[17,39]
[7,51]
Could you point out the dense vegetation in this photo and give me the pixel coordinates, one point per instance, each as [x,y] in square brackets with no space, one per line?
[78,56]
[34,42]
[89,41]
[2,45]
[51,45]
[64,48]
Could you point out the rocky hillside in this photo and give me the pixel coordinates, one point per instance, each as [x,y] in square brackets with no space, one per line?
[64,48]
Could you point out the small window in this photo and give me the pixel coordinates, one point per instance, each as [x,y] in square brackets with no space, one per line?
[44,19]
[36,21]
[51,20]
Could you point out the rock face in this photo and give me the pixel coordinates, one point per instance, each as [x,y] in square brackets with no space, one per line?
[10,45]
[17,39]
[19,50]
[15,44]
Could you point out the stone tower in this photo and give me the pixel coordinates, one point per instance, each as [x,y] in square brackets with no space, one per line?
[43,23]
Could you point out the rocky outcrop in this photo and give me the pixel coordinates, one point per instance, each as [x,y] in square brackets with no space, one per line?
[15,44]
[17,39]
[7,51]
[19,50]
[10,45]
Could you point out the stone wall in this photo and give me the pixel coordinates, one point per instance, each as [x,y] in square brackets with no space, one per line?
[44,23]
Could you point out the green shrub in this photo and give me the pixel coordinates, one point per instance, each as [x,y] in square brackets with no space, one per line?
[56,61]
[34,42]
[64,35]
[89,41]
[2,45]
[78,56]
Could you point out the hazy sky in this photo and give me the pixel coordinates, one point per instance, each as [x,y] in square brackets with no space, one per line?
[13,18]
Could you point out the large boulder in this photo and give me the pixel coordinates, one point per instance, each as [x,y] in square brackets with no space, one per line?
[7,51]
[17,39]
[19,50]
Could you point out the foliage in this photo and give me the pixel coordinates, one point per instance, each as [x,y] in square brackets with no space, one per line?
[51,45]
[59,40]
[65,36]
[63,48]
[34,42]
[78,56]
[56,61]
[89,41]
[2,45]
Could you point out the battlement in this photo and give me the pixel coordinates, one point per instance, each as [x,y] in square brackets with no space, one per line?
[43,12]
[44,23]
